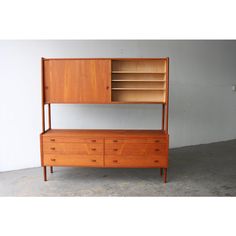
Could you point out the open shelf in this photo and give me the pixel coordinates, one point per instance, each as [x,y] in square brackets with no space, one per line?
[139,81]
[137,72]
[138,96]
[139,66]
[158,89]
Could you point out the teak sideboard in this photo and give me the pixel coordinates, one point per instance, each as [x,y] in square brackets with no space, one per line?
[105,81]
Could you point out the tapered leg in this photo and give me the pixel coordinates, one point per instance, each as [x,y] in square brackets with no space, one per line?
[51,169]
[161,171]
[165,175]
[45,173]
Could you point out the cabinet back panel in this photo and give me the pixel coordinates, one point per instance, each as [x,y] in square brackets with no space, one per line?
[156,66]
[135,76]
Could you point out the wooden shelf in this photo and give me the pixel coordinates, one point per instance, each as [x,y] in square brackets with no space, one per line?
[145,89]
[138,80]
[137,72]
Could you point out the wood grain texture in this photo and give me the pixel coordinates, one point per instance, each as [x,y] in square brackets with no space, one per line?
[135,162]
[93,133]
[73,148]
[136,149]
[113,148]
[73,160]
[77,81]
[105,81]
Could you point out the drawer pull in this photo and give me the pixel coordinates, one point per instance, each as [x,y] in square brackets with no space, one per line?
[93,141]
[115,161]
[93,149]
[115,149]
[53,159]
[52,139]
[157,141]
[115,141]
[157,150]
[93,160]
[156,161]
[52,148]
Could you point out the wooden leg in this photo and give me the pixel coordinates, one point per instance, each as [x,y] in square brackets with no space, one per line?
[161,171]
[51,169]
[45,173]
[165,175]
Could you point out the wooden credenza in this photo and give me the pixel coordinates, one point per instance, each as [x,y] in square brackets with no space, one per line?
[105,81]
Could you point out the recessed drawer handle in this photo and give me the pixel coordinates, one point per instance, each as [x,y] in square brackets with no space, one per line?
[93,160]
[157,141]
[52,139]
[94,141]
[115,161]
[93,149]
[52,148]
[115,141]
[115,149]
[156,161]
[53,159]
[157,150]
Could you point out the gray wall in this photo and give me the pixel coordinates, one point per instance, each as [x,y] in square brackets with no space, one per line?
[202,104]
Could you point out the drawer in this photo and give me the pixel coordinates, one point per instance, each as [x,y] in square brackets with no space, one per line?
[138,140]
[134,162]
[73,148]
[156,149]
[123,140]
[125,149]
[158,140]
[73,160]
[71,139]
[143,149]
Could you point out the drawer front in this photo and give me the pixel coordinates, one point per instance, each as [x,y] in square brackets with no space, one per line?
[73,160]
[137,140]
[134,162]
[140,149]
[156,149]
[71,140]
[125,149]
[73,148]
[123,140]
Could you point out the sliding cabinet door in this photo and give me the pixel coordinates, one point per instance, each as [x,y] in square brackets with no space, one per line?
[77,81]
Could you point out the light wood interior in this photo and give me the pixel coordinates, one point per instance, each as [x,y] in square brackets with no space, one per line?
[138,96]
[138,81]
[146,66]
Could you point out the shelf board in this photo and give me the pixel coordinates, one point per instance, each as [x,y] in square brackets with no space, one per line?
[140,80]
[143,89]
[137,72]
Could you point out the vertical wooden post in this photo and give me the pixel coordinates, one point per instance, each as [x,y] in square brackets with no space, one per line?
[167,95]
[51,169]
[165,175]
[42,94]
[49,115]
[163,117]
[43,118]
[167,109]
[45,173]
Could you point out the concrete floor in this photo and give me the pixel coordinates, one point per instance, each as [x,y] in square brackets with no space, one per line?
[203,170]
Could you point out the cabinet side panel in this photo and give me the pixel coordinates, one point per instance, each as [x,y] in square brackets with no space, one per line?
[46,84]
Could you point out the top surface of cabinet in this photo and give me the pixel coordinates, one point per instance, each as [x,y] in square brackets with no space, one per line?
[105,80]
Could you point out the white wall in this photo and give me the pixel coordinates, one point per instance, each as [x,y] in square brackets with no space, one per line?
[202,104]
